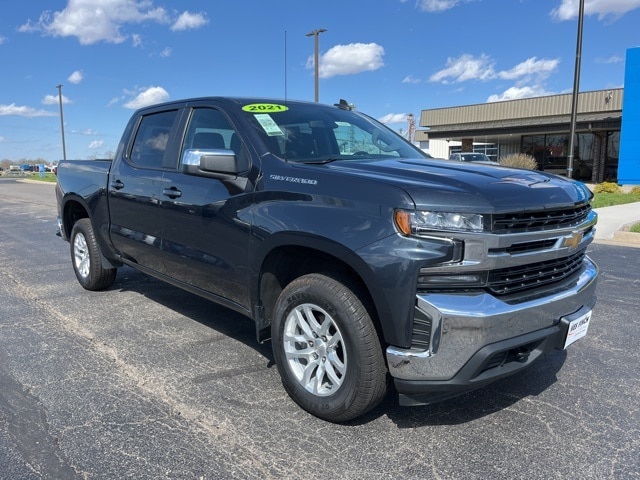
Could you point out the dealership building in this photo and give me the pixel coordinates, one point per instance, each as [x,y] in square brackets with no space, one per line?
[605,147]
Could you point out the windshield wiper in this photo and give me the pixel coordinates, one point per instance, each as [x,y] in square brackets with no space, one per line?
[321,161]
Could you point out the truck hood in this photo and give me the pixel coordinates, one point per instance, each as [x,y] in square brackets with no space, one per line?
[469,187]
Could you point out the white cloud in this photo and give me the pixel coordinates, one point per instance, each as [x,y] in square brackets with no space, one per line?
[96,144]
[166,52]
[436,5]
[149,96]
[2,39]
[411,79]
[393,118]
[515,93]
[88,132]
[76,77]
[349,59]
[136,39]
[115,100]
[466,67]
[188,20]
[610,60]
[604,9]
[531,66]
[92,21]
[22,111]
[3,139]
[55,100]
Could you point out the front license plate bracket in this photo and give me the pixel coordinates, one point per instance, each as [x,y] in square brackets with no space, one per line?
[575,326]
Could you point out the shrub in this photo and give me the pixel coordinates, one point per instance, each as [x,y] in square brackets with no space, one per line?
[635,190]
[519,160]
[607,187]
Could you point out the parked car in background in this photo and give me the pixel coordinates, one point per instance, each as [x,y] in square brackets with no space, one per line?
[472,157]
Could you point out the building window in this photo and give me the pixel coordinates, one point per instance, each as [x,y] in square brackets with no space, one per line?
[489,149]
[552,151]
[611,156]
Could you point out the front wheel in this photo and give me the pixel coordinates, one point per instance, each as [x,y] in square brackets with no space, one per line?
[327,349]
[86,258]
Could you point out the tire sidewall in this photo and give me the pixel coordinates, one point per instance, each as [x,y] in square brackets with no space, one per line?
[331,405]
[98,277]
[80,229]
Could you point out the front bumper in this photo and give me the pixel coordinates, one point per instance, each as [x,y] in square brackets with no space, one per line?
[477,338]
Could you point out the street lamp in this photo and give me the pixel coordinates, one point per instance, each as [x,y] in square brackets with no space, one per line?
[64,150]
[576,90]
[315,34]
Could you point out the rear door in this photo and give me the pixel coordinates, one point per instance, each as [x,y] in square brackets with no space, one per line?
[136,186]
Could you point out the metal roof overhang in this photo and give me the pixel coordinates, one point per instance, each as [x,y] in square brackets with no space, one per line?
[498,129]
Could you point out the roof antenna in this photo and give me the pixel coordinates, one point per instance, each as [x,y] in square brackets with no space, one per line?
[344,105]
[285,67]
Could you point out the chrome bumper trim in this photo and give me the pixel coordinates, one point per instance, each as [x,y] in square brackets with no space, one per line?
[469,322]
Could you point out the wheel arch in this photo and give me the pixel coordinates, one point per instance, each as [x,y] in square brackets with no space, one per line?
[75,208]
[289,256]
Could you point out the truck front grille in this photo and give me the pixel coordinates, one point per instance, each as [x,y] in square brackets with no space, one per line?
[540,220]
[524,277]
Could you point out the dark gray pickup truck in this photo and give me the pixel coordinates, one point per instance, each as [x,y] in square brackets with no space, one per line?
[361,258]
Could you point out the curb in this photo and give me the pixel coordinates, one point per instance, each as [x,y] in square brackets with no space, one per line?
[625,236]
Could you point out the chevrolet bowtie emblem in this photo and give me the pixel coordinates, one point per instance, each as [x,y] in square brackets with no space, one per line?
[573,241]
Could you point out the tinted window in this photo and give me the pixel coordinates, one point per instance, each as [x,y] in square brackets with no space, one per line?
[150,144]
[210,129]
[318,133]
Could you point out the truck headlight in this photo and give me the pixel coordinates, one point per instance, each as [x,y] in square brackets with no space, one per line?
[418,222]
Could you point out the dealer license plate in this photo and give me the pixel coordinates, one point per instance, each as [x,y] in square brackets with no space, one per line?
[577,328]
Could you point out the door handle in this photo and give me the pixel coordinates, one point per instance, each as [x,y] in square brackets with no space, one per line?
[172,192]
[117,184]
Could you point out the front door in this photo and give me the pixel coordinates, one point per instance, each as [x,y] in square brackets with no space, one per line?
[205,240]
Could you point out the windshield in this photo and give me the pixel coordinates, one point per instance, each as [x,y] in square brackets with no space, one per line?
[474,157]
[313,133]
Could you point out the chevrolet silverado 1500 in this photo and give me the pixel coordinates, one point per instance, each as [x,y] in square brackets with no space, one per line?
[361,258]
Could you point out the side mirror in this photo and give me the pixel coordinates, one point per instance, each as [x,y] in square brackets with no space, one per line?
[216,163]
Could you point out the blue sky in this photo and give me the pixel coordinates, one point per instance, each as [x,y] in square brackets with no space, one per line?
[388,57]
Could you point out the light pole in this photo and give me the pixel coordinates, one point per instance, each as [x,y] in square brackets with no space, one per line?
[64,150]
[315,34]
[576,90]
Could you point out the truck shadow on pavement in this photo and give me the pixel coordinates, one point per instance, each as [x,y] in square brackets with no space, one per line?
[219,318]
[479,403]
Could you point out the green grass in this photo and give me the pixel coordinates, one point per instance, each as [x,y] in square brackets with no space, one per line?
[48,177]
[609,199]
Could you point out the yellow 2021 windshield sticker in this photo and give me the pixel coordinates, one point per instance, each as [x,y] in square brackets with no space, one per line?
[265,108]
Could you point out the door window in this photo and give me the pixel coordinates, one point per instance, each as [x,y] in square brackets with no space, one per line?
[149,148]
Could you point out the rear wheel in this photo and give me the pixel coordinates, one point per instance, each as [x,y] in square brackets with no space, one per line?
[327,349]
[86,258]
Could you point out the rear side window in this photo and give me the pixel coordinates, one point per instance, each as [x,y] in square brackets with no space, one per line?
[149,148]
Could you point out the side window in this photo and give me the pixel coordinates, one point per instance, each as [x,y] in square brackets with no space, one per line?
[150,144]
[210,129]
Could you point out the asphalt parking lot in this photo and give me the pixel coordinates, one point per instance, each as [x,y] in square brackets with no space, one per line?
[146,381]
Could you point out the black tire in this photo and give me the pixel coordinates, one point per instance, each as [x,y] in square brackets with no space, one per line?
[86,258]
[327,349]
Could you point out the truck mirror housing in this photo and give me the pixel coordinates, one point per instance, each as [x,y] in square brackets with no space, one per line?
[210,162]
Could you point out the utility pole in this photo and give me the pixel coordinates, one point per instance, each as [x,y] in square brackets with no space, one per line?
[315,34]
[64,150]
[576,90]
